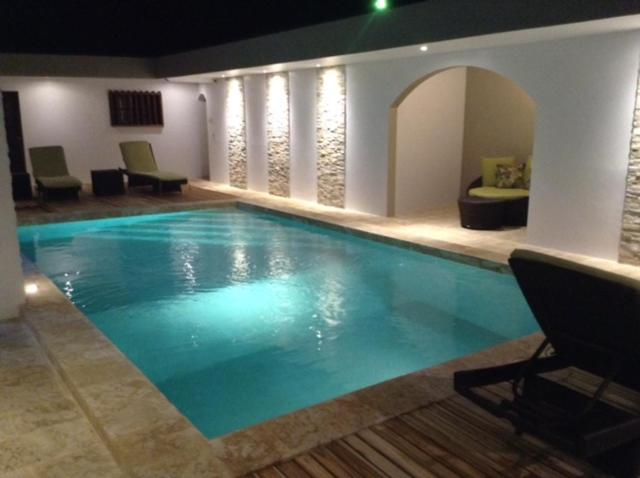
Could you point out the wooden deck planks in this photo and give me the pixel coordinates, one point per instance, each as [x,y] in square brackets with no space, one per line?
[448,439]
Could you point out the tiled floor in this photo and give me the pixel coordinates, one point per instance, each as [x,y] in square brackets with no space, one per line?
[126,427]
[43,430]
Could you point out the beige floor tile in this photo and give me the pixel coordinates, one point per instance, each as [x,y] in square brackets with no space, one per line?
[31,414]
[44,444]
[91,461]
[22,473]
[126,407]
[172,450]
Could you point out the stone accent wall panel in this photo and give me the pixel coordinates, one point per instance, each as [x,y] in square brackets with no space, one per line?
[331,135]
[236,133]
[278,134]
[630,239]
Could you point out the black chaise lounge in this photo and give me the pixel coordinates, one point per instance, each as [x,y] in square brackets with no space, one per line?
[591,320]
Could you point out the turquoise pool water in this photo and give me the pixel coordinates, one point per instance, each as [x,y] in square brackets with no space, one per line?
[239,317]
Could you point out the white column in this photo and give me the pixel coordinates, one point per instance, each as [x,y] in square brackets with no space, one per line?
[255,91]
[302,96]
[11,281]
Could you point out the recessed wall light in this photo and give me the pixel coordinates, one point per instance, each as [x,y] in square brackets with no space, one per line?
[31,288]
[424,48]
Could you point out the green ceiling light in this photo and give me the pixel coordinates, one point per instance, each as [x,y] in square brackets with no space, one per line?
[381,5]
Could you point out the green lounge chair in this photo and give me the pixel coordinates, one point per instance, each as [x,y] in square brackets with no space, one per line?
[51,173]
[143,170]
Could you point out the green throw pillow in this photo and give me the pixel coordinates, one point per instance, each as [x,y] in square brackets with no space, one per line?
[508,177]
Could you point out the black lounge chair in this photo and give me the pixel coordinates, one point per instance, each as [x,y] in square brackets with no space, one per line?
[591,320]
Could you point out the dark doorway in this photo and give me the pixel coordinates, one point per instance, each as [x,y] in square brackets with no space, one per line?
[20,179]
[13,128]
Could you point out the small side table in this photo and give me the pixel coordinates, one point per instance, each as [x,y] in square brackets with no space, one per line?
[21,186]
[480,213]
[107,182]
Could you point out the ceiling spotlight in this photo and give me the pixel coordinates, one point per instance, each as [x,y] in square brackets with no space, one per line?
[224,76]
[424,48]
[317,65]
[380,5]
[264,71]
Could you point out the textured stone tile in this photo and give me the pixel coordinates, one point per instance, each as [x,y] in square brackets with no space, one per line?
[287,436]
[249,449]
[22,473]
[44,444]
[331,135]
[278,144]
[236,133]
[405,394]
[124,407]
[82,375]
[91,461]
[80,344]
[312,426]
[13,376]
[29,413]
[14,335]
[171,450]
[629,249]
[20,355]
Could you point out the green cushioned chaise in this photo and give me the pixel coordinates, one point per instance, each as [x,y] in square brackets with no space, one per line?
[143,170]
[51,174]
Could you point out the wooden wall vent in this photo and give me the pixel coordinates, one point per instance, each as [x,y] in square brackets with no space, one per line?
[135,108]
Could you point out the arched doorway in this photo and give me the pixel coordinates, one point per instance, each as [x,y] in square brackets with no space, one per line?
[440,128]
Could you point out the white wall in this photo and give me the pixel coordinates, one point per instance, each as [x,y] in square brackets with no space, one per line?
[11,282]
[584,91]
[302,100]
[217,131]
[74,113]
[429,143]
[255,99]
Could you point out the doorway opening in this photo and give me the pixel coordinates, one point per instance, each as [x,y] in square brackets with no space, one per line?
[20,179]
